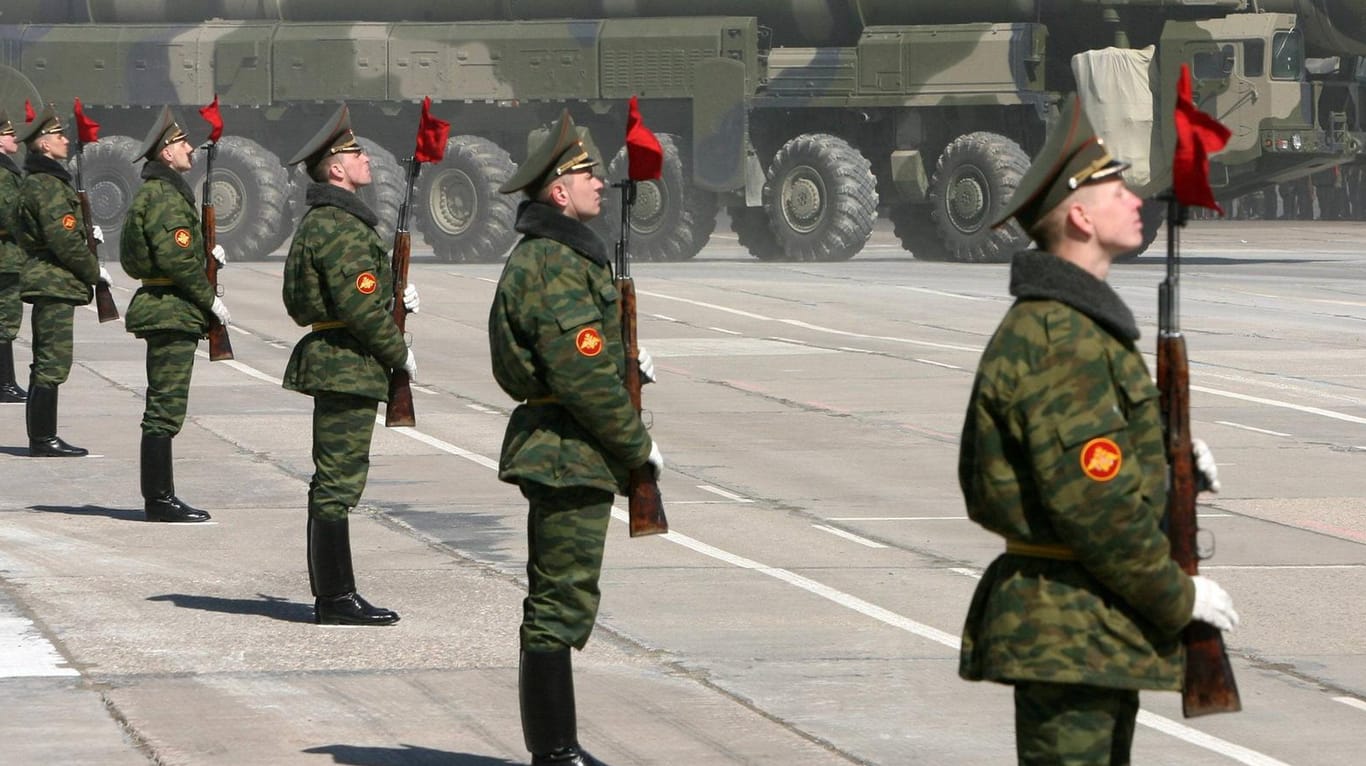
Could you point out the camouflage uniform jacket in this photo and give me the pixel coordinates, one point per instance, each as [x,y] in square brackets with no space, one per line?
[555,339]
[161,239]
[337,271]
[1061,387]
[11,255]
[60,265]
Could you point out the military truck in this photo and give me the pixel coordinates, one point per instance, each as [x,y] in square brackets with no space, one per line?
[802,119]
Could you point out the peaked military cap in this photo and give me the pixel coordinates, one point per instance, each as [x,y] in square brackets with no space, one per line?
[165,131]
[6,127]
[47,123]
[334,138]
[1072,157]
[551,152]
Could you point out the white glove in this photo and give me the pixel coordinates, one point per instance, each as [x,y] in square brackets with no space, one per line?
[410,299]
[221,311]
[220,255]
[656,459]
[410,365]
[1213,604]
[1204,465]
[105,278]
[647,366]
[97,234]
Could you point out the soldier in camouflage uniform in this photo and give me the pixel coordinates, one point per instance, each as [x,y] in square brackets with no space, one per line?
[337,280]
[1063,455]
[556,345]
[11,262]
[59,275]
[162,245]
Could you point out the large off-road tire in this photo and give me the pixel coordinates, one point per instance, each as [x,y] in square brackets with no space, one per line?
[821,198]
[249,191]
[460,213]
[750,225]
[384,194]
[1154,214]
[111,179]
[976,176]
[671,219]
[914,228]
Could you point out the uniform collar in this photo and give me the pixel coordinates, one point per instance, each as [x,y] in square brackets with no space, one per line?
[41,163]
[537,219]
[320,194]
[156,170]
[1035,275]
[7,163]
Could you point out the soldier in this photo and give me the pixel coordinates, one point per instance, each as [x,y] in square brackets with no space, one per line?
[162,245]
[11,262]
[556,346]
[334,279]
[1085,607]
[59,275]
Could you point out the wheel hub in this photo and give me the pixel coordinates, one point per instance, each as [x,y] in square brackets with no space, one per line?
[803,200]
[228,200]
[454,203]
[108,200]
[968,201]
[648,211]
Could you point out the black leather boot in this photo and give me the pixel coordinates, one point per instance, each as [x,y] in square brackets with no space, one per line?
[158,485]
[545,685]
[10,392]
[336,601]
[41,414]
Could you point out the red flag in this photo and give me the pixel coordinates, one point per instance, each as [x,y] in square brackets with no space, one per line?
[431,135]
[644,154]
[87,130]
[1198,135]
[29,114]
[212,116]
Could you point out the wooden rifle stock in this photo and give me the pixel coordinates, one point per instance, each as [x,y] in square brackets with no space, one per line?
[1209,685]
[645,506]
[220,345]
[399,411]
[104,298]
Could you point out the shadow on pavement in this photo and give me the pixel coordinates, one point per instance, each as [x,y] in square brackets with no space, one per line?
[407,755]
[123,514]
[273,607]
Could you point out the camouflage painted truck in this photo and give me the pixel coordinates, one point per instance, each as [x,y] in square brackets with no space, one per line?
[803,119]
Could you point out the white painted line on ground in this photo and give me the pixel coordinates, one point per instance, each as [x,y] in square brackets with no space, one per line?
[1231,424]
[1284,405]
[725,331]
[973,573]
[24,652]
[855,350]
[942,293]
[1351,702]
[1208,741]
[251,371]
[896,518]
[483,409]
[1204,567]
[849,536]
[445,446]
[940,364]
[723,493]
[240,331]
[663,317]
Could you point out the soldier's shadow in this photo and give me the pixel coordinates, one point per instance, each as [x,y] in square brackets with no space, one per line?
[14,451]
[122,514]
[274,607]
[405,755]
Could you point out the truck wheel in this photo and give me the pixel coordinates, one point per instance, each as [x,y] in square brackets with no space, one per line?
[975,178]
[671,219]
[915,229]
[384,195]
[1154,214]
[111,180]
[750,225]
[249,199]
[463,217]
[821,198]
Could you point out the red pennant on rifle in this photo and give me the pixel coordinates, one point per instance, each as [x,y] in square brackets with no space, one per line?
[1198,135]
[432,133]
[87,130]
[214,117]
[29,114]
[644,154]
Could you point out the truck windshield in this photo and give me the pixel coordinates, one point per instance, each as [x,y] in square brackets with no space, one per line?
[1287,55]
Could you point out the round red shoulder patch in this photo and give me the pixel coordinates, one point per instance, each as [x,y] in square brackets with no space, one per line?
[1101,459]
[68,222]
[589,341]
[366,283]
[183,237]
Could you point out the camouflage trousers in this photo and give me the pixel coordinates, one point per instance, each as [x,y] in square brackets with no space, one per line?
[566,533]
[170,361]
[11,306]
[54,325]
[1073,725]
[342,427]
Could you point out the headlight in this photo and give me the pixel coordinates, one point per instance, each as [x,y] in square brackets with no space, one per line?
[1297,141]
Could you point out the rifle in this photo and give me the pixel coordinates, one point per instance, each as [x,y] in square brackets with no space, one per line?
[645,506]
[104,299]
[220,345]
[399,411]
[1209,685]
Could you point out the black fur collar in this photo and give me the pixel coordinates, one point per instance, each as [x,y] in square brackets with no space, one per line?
[7,163]
[320,194]
[1036,274]
[537,219]
[156,169]
[41,163]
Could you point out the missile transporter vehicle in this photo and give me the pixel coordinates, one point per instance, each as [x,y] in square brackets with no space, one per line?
[803,119]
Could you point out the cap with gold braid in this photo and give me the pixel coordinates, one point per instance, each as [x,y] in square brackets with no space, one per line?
[47,123]
[334,138]
[6,126]
[165,132]
[1072,157]
[552,152]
